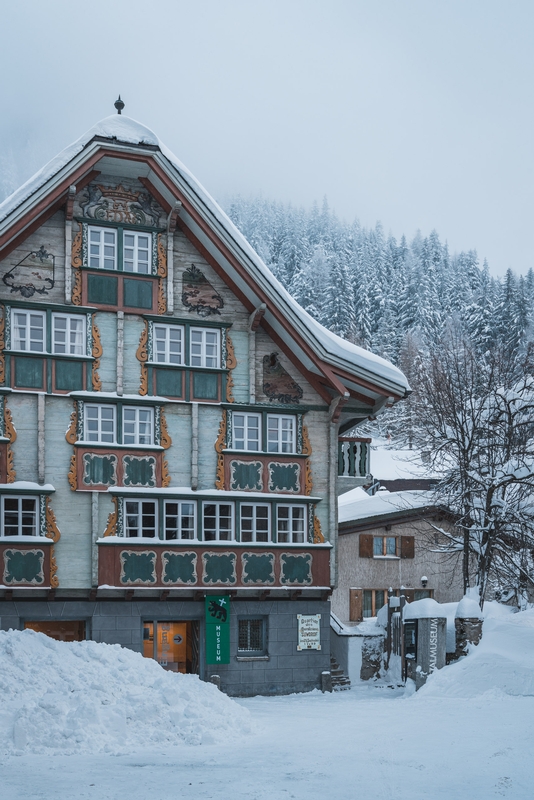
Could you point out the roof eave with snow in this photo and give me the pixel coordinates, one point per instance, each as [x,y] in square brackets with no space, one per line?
[345,368]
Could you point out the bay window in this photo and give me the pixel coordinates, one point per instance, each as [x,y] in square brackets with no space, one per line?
[179,519]
[205,347]
[137,252]
[140,518]
[137,425]
[29,331]
[100,423]
[68,334]
[19,516]
[102,248]
[280,433]
[218,521]
[168,344]
[255,522]
[290,524]
[246,429]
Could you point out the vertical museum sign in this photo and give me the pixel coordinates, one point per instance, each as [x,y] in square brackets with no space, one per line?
[217,629]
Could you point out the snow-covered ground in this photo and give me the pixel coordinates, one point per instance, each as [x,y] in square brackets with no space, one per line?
[467,734]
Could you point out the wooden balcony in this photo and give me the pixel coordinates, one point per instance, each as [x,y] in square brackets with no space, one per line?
[353,457]
[27,564]
[212,565]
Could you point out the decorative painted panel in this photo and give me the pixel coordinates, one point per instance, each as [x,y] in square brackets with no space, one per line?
[205,385]
[68,375]
[28,372]
[139,470]
[219,568]
[24,567]
[277,382]
[120,204]
[296,569]
[198,294]
[99,469]
[284,477]
[246,475]
[257,568]
[34,274]
[138,567]
[179,568]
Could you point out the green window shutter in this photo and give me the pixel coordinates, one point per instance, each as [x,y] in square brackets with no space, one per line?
[29,373]
[137,294]
[69,376]
[102,289]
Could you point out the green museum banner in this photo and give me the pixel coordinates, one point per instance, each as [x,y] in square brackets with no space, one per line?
[218,629]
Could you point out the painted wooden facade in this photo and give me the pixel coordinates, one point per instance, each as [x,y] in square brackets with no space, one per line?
[168,418]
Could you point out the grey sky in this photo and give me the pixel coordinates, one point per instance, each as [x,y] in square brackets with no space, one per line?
[415,112]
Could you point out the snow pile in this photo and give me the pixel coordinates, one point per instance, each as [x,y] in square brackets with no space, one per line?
[502,664]
[86,697]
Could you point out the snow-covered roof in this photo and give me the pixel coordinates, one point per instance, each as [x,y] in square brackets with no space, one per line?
[119,129]
[352,507]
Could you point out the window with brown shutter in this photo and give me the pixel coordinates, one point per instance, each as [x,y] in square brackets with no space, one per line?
[355,605]
[407,547]
[366,545]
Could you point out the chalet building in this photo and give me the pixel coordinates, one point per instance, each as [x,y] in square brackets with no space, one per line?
[169,424]
[389,543]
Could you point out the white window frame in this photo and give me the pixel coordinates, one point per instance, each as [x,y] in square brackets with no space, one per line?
[136,422]
[82,351]
[135,257]
[203,348]
[100,432]
[254,518]
[218,505]
[291,528]
[139,502]
[180,529]
[15,338]
[19,513]
[101,257]
[167,355]
[281,446]
[246,427]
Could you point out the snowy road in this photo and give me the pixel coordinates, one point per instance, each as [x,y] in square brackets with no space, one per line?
[370,743]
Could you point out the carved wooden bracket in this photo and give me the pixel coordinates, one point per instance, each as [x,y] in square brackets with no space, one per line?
[142,357]
[97,354]
[111,528]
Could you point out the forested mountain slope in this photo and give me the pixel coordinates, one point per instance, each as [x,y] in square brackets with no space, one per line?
[384,294]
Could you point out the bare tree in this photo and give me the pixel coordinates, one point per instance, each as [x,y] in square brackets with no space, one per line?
[475,421]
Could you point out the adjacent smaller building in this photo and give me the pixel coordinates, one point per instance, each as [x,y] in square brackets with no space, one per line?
[387,543]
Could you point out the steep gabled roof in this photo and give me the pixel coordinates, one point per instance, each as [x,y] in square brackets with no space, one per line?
[361,382]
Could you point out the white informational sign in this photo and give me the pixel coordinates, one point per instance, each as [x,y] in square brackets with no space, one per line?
[309,631]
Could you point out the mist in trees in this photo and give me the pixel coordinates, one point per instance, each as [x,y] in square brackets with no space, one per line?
[380,292]
[463,339]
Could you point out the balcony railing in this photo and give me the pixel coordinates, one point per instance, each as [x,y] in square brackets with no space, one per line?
[353,457]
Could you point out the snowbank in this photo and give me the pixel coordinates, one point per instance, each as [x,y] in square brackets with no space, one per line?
[500,665]
[86,697]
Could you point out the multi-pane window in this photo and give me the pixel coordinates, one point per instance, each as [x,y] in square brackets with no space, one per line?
[205,347]
[290,524]
[68,334]
[280,433]
[140,518]
[168,344]
[373,600]
[251,636]
[29,331]
[102,248]
[19,516]
[137,425]
[218,521]
[100,423]
[136,252]
[246,430]
[384,546]
[254,523]
[179,520]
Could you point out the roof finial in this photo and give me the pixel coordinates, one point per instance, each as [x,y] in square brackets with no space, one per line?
[119,105]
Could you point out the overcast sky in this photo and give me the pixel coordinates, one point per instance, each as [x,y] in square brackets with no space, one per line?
[418,113]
